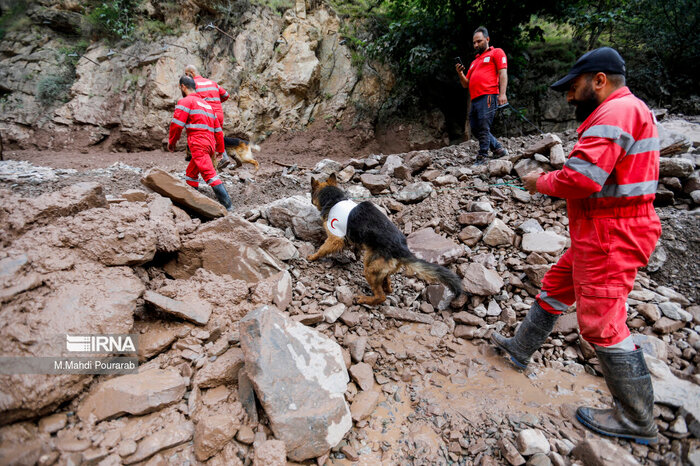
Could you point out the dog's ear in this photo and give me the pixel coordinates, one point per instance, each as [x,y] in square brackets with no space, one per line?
[332,180]
[314,183]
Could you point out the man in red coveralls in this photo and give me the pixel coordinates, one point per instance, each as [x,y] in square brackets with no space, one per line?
[609,182]
[487,79]
[213,94]
[204,138]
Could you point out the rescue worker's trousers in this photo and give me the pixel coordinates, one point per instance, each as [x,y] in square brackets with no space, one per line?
[201,165]
[480,119]
[598,271]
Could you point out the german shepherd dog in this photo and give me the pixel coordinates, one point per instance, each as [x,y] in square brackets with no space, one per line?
[242,151]
[385,248]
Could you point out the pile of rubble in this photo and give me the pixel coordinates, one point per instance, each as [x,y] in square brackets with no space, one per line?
[248,353]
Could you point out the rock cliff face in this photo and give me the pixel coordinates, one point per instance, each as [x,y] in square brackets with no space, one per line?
[283,73]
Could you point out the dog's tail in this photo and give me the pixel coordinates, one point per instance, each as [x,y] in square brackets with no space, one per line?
[433,273]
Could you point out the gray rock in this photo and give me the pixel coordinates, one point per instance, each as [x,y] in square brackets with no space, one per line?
[650,311]
[464,317]
[327,166]
[431,247]
[542,146]
[679,167]
[674,311]
[498,234]
[333,313]
[493,309]
[470,235]
[651,345]
[479,280]
[414,192]
[530,226]
[346,174]
[439,296]
[498,168]
[356,346]
[362,374]
[673,391]
[375,183]
[556,156]
[673,295]
[476,218]
[521,195]
[545,241]
[601,452]
[439,329]
[445,180]
[297,213]
[566,323]
[531,441]
[181,194]
[390,164]
[299,377]
[526,166]
[191,308]
[134,394]
[418,161]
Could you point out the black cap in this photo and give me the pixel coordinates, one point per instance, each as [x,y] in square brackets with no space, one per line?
[604,59]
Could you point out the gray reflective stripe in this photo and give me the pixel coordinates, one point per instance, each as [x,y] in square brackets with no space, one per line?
[183,108]
[618,136]
[196,180]
[203,112]
[645,145]
[178,122]
[628,190]
[225,94]
[211,180]
[587,169]
[212,99]
[218,130]
[556,304]
[204,89]
[207,127]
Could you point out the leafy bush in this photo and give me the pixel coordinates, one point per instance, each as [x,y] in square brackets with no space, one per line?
[114,18]
[54,88]
[13,18]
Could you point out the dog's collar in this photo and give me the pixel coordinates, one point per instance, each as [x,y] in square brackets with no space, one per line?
[337,223]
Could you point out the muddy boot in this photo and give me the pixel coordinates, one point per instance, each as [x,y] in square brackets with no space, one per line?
[222,196]
[533,331]
[629,382]
[224,162]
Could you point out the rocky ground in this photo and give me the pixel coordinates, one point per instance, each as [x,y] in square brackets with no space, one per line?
[250,354]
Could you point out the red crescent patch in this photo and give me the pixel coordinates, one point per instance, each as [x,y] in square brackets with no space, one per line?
[334,220]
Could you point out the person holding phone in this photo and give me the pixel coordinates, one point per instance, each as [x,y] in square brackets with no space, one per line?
[486,79]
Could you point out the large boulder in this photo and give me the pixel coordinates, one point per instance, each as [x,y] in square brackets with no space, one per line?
[227,246]
[498,234]
[431,247]
[300,379]
[297,213]
[543,241]
[678,167]
[181,194]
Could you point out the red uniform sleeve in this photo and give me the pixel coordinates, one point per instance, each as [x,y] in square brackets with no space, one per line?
[182,113]
[219,136]
[499,57]
[585,172]
[223,95]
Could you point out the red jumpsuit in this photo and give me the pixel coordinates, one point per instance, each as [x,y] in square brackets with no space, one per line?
[204,137]
[609,182]
[213,94]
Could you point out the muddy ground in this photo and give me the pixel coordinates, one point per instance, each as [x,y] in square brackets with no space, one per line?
[445,399]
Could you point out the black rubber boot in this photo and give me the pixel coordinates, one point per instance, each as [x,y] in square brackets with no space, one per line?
[222,196]
[531,334]
[629,382]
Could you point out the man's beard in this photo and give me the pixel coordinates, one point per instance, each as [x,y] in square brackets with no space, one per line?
[586,105]
[480,50]
[183,93]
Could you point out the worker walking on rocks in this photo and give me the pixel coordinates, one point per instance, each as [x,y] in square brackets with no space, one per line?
[609,182]
[487,79]
[213,94]
[204,138]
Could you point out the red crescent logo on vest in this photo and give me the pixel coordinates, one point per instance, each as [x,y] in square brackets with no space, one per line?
[334,220]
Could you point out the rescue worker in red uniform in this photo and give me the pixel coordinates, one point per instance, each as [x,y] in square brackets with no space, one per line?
[609,182]
[204,139]
[213,94]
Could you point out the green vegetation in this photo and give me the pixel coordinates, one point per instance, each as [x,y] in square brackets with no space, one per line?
[114,18]
[14,18]
[54,88]
[279,6]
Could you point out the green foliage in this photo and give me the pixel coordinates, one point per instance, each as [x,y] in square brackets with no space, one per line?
[14,18]
[279,6]
[114,18]
[153,28]
[54,88]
